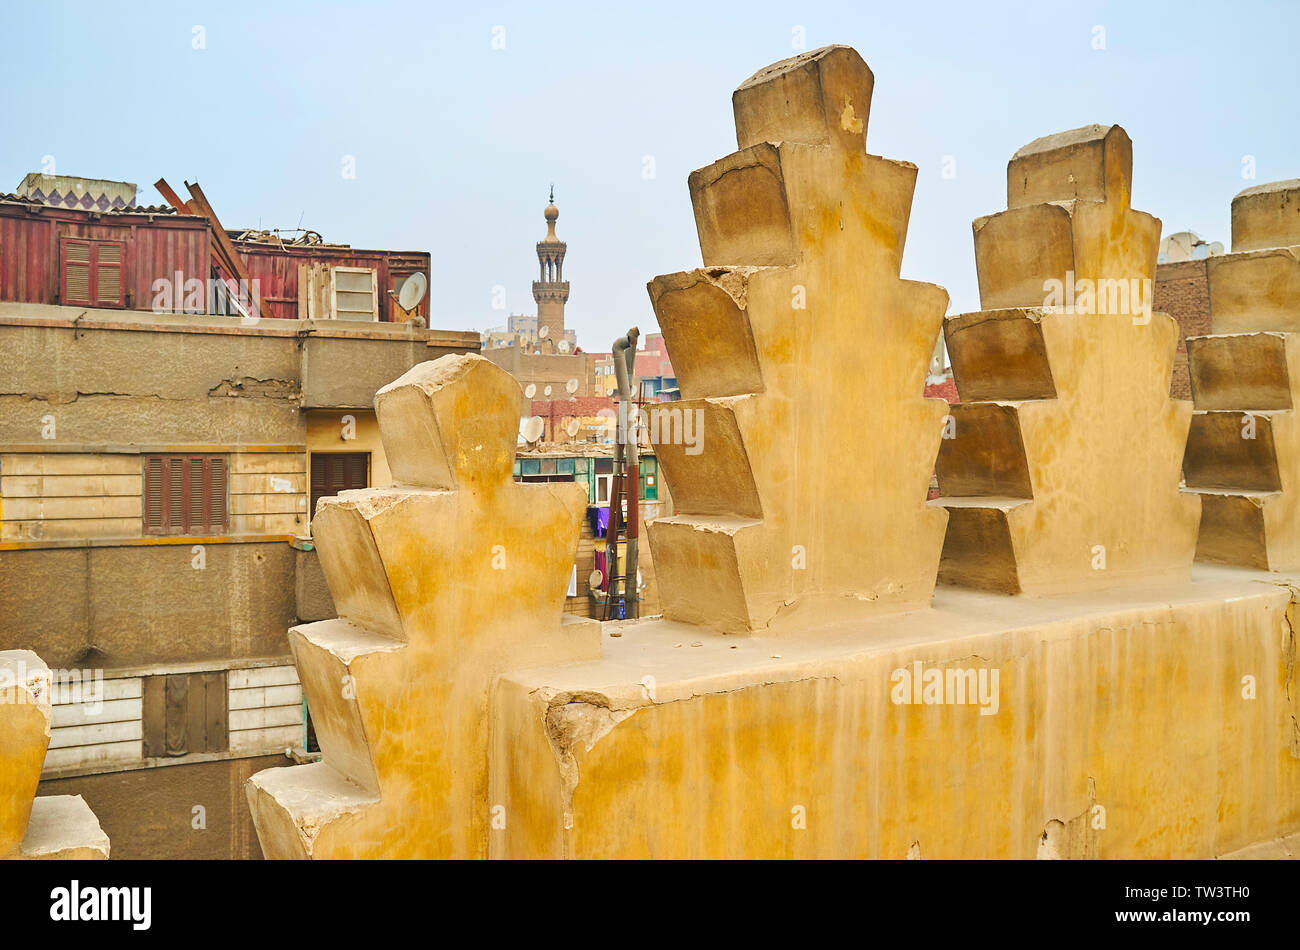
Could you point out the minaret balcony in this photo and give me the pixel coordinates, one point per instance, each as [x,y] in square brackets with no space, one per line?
[551,290]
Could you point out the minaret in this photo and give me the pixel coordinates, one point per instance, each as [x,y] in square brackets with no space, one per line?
[552,291]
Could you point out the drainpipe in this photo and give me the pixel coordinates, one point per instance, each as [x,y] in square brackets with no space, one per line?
[624,370]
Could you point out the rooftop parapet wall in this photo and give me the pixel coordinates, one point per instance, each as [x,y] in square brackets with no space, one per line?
[451,577]
[1060,469]
[55,826]
[799,307]
[1243,450]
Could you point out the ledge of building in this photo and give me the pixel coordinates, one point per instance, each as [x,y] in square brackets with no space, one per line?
[85,318]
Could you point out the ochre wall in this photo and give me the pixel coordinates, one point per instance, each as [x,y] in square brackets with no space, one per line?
[1137,705]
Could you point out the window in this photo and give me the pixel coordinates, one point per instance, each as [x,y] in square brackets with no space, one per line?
[333,472]
[650,478]
[355,293]
[92,273]
[185,494]
[184,713]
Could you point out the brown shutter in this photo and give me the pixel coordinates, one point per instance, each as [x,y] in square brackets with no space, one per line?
[184,713]
[153,491]
[176,716]
[216,496]
[356,470]
[333,472]
[76,272]
[196,507]
[154,715]
[176,472]
[108,274]
[216,704]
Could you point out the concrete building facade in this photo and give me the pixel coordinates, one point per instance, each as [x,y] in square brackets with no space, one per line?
[157,477]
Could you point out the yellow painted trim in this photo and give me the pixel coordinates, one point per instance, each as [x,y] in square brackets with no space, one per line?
[183,448]
[151,541]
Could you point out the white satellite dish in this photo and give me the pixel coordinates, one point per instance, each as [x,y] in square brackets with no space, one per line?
[571,386]
[544,331]
[594,579]
[563,346]
[413,290]
[573,427]
[547,391]
[533,428]
[530,391]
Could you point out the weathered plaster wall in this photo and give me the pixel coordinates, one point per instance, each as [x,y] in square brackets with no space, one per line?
[149,814]
[141,604]
[1136,704]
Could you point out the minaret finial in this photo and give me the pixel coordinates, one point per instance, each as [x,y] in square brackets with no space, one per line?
[552,192]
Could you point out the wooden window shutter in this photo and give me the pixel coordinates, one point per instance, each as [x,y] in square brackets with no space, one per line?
[216,500]
[356,470]
[153,495]
[196,511]
[333,472]
[76,272]
[185,713]
[108,274]
[176,485]
[185,494]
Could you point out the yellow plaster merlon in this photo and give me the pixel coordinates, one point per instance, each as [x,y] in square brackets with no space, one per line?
[799,307]
[59,826]
[446,579]
[1243,450]
[1061,471]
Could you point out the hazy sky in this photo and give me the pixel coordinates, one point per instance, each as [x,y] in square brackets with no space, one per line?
[455,142]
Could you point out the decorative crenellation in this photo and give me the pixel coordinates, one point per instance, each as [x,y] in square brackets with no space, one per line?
[443,581]
[799,309]
[1059,469]
[1243,450]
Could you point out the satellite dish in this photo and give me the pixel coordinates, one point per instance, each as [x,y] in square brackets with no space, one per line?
[571,386]
[547,391]
[533,428]
[594,580]
[413,291]
[530,391]
[544,331]
[564,346]
[1216,248]
[573,427]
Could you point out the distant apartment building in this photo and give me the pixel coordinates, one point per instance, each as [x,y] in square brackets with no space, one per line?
[159,463]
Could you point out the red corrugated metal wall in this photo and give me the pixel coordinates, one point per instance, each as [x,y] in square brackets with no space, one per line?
[30,265]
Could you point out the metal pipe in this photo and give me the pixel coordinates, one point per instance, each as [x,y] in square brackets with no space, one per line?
[624,355]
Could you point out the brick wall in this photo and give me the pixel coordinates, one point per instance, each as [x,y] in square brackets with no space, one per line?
[1182,290]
